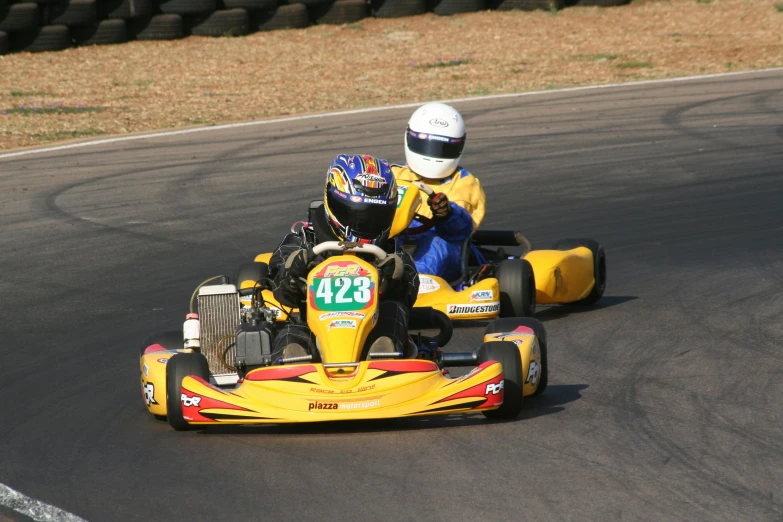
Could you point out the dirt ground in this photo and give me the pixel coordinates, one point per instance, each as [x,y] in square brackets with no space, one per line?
[141,86]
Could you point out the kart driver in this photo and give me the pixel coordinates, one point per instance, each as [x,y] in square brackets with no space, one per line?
[434,141]
[360,199]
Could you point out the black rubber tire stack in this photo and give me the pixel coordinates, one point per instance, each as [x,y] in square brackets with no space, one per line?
[397,8]
[527,5]
[125,9]
[293,16]
[229,22]
[339,12]
[450,7]
[105,32]
[3,43]
[187,7]
[72,13]
[157,27]
[42,39]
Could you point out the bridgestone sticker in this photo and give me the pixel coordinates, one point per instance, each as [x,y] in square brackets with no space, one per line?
[489,308]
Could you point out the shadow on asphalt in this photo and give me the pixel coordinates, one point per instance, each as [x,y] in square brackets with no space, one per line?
[559,311]
[551,401]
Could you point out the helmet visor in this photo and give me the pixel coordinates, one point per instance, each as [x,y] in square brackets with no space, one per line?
[366,220]
[434,146]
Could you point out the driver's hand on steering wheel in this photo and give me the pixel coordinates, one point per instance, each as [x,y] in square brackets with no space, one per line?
[439,204]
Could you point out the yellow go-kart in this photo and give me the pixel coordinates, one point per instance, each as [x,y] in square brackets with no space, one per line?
[222,370]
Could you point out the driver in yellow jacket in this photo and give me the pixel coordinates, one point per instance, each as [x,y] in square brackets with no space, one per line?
[434,141]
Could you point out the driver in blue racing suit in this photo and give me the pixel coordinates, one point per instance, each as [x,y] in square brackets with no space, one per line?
[434,141]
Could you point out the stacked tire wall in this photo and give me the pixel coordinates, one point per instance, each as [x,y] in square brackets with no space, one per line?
[54,25]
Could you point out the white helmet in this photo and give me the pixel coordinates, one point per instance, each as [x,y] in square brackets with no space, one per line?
[434,141]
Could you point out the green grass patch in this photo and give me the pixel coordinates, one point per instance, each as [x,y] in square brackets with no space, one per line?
[779,7]
[51,109]
[355,26]
[68,135]
[24,94]
[703,1]
[600,57]
[453,62]
[634,65]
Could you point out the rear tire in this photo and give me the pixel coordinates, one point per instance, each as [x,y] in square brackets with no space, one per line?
[509,325]
[599,265]
[507,354]
[517,286]
[180,366]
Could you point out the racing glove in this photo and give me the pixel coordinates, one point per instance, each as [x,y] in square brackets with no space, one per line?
[390,270]
[298,264]
[439,204]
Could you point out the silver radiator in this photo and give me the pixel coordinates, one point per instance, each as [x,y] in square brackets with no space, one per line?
[218,311]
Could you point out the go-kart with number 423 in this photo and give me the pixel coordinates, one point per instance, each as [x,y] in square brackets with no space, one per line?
[492,283]
[221,369]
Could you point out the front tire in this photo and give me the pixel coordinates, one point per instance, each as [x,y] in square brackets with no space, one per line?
[509,325]
[507,354]
[180,366]
[599,265]
[517,285]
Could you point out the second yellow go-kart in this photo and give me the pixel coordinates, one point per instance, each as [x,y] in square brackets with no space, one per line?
[222,369]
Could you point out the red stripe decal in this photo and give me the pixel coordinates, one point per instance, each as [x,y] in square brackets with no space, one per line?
[404,366]
[154,348]
[523,329]
[276,374]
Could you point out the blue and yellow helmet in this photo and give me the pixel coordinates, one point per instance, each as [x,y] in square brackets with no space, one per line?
[360,198]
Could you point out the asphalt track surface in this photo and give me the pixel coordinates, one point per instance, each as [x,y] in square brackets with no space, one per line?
[664,401]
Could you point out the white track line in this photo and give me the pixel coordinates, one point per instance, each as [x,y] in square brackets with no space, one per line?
[32,508]
[367,110]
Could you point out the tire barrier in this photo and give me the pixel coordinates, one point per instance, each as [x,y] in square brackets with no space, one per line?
[52,25]
[157,27]
[339,12]
[397,8]
[292,16]
[104,32]
[231,22]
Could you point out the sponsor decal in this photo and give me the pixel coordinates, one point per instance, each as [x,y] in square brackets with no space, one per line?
[322,406]
[190,401]
[342,269]
[148,389]
[332,315]
[375,201]
[373,181]
[533,372]
[444,139]
[401,190]
[163,361]
[375,317]
[494,389]
[427,285]
[341,195]
[360,405]
[356,199]
[339,179]
[343,392]
[437,122]
[342,323]
[145,370]
[456,309]
[482,295]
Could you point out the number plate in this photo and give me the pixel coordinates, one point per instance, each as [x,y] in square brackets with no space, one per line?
[342,294]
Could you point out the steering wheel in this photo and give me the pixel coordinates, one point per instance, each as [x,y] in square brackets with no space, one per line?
[426,222]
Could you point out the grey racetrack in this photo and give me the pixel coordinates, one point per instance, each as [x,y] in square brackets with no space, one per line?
[664,401]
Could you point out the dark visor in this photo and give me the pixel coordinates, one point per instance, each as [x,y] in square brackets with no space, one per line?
[366,220]
[433,146]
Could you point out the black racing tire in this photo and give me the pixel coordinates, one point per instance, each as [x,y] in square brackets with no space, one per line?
[397,8]
[105,32]
[180,366]
[599,265]
[126,9]
[170,340]
[517,285]
[157,27]
[70,13]
[19,17]
[230,22]
[509,324]
[526,5]
[3,43]
[252,271]
[450,7]
[507,354]
[292,16]
[47,38]
[187,7]
[339,12]
[308,3]
[248,4]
